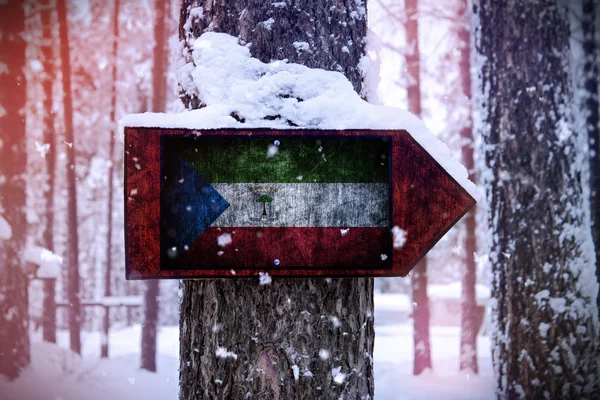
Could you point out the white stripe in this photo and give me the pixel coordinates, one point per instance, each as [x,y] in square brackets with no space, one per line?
[305,204]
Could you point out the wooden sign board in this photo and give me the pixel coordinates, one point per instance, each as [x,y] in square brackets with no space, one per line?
[296,203]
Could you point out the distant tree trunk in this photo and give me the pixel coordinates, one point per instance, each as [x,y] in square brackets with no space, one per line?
[544,285]
[592,121]
[314,325]
[418,278]
[159,86]
[468,305]
[73,241]
[420,300]
[48,38]
[111,173]
[14,321]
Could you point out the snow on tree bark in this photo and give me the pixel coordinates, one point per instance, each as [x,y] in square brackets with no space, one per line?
[418,278]
[468,305]
[304,338]
[73,283]
[544,284]
[14,322]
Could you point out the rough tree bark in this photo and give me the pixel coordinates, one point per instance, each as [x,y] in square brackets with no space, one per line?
[418,277]
[307,327]
[159,89]
[468,305]
[592,117]
[14,345]
[111,175]
[73,241]
[544,285]
[47,49]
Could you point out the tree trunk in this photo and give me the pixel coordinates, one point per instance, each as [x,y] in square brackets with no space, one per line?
[111,173]
[420,300]
[592,120]
[544,288]
[73,242]
[468,305]
[14,321]
[159,88]
[418,278]
[49,309]
[289,337]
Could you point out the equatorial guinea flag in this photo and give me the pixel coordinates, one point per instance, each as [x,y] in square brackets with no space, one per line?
[275,202]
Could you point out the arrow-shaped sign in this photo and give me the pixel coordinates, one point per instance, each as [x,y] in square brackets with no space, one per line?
[293,203]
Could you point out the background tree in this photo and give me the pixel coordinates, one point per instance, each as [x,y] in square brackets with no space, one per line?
[111,173]
[14,334]
[49,139]
[289,322]
[468,307]
[418,277]
[73,238]
[159,88]
[592,116]
[544,286]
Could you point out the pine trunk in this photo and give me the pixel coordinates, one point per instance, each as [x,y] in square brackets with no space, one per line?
[73,294]
[418,278]
[544,285]
[159,88]
[49,309]
[289,337]
[468,305]
[111,174]
[592,120]
[14,334]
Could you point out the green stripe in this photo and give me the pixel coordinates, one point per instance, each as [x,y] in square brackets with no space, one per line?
[316,160]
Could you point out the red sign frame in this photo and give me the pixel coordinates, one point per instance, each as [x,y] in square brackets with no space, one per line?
[426,203]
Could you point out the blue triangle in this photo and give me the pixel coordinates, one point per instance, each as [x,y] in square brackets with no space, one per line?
[189,205]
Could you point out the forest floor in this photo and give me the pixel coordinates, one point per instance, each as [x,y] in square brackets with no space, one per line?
[58,374]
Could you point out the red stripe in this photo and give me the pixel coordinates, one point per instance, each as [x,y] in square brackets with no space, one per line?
[293,247]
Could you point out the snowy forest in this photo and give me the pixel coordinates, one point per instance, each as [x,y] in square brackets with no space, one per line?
[505,306]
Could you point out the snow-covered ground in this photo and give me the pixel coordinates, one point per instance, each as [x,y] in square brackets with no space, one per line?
[57,374]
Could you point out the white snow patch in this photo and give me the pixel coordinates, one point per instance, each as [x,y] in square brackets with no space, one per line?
[268,24]
[344,232]
[296,372]
[224,239]
[49,263]
[5,229]
[399,237]
[222,352]
[324,354]
[301,46]
[264,278]
[338,376]
[42,148]
[272,150]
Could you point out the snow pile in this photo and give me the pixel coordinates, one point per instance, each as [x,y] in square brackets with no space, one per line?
[242,92]
[5,229]
[49,262]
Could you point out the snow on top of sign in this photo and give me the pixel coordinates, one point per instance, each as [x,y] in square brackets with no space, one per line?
[242,92]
